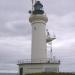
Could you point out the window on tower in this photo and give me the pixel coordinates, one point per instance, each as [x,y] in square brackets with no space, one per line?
[34,28]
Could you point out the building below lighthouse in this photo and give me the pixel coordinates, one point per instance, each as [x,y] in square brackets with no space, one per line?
[39,61]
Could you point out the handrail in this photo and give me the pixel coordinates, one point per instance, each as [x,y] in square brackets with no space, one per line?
[40,61]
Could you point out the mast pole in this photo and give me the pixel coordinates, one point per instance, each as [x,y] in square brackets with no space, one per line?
[51,51]
[33,2]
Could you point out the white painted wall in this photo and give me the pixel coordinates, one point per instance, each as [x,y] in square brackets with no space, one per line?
[35,68]
[39,49]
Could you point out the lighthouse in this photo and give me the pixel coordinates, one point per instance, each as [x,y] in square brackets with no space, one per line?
[39,61]
[38,22]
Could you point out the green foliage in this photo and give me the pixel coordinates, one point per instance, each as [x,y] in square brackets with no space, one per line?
[52,73]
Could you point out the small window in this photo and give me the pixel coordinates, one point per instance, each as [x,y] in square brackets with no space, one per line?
[34,28]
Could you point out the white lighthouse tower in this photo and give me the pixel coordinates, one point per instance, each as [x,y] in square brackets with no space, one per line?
[38,22]
[39,61]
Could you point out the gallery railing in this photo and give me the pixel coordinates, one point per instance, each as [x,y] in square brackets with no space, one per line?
[29,61]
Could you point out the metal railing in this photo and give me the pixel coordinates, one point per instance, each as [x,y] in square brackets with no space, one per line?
[31,61]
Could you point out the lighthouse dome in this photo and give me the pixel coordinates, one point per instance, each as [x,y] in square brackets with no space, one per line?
[38,8]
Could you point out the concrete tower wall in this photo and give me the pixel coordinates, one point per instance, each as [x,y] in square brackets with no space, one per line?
[39,49]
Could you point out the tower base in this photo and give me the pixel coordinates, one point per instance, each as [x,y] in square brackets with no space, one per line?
[27,68]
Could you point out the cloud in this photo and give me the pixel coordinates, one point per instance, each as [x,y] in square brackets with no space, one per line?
[6,68]
[64,45]
[15,5]
[13,49]
[15,25]
[15,31]
[19,27]
[61,24]
[59,7]
[17,47]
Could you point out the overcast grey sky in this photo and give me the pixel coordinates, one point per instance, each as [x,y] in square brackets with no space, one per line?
[15,32]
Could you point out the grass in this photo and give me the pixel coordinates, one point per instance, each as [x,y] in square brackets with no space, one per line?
[44,73]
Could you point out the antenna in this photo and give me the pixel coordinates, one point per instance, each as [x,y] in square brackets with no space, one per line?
[54,35]
[48,34]
[33,2]
[51,51]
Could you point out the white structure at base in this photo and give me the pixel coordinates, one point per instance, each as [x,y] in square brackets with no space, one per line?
[38,67]
[39,61]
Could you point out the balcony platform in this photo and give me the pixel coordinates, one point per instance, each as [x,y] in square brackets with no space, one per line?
[28,61]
